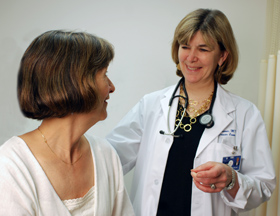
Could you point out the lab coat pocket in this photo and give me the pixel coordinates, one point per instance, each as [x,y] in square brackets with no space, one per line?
[216,151]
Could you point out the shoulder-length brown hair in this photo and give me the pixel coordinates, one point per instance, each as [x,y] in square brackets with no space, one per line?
[57,73]
[213,25]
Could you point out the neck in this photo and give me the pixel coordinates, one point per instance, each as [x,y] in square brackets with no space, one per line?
[64,136]
[199,91]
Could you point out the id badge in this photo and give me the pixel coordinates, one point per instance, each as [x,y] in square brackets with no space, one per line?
[233,161]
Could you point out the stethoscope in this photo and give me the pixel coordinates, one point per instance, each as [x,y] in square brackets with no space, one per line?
[206,119]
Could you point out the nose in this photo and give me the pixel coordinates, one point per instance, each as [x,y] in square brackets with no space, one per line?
[192,57]
[112,86]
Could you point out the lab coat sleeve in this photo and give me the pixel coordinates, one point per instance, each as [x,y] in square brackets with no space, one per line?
[257,175]
[126,136]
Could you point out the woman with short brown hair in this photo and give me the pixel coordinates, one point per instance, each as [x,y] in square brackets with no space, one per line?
[56,169]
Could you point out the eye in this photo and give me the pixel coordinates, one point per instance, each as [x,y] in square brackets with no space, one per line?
[185,46]
[204,50]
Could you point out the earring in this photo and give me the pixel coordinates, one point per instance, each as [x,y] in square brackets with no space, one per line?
[178,67]
[219,70]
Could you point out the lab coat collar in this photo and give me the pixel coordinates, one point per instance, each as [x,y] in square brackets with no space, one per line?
[223,106]
[165,103]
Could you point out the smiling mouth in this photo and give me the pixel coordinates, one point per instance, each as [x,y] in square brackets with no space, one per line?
[193,68]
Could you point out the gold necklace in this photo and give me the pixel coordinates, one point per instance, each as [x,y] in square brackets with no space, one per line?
[186,127]
[45,140]
[191,109]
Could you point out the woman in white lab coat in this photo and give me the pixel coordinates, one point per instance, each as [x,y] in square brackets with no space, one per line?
[218,160]
[56,169]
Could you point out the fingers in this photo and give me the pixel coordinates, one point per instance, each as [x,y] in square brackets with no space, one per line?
[205,184]
[212,174]
[203,167]
[208,188]
[209,170]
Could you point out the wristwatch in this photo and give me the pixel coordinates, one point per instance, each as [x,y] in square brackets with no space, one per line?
[232,183]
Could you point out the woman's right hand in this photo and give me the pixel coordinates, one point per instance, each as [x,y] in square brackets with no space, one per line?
[213,177]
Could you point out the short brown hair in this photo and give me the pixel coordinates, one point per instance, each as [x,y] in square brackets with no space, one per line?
[213,25]
[57,73]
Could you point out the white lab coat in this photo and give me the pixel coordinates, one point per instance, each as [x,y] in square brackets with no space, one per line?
[139,143]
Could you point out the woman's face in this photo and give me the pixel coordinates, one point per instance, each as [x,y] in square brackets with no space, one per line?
[198,61]
[104,88]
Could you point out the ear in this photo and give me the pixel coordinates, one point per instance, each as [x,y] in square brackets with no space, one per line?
[223,57]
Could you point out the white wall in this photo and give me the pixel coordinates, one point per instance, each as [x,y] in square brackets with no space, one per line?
[141,32]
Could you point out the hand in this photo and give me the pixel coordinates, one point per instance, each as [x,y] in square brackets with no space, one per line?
[211,173]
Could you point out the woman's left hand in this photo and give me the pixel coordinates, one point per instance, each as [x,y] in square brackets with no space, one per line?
[212,177]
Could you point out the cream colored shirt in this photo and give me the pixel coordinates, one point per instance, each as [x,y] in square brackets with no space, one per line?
[26,190]
[83,206]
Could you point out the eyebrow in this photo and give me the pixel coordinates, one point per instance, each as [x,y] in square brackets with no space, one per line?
[205,46]
[200,45]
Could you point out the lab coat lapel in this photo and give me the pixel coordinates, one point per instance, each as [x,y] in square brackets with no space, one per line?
[165,106]
[222,107]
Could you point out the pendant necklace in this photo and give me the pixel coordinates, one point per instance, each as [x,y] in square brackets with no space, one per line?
[46,142]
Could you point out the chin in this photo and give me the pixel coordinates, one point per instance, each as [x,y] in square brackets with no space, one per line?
[192,81]
[103,116]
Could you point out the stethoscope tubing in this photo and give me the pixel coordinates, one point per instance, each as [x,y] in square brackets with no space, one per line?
[182,80]
[209,112]
[168,123]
